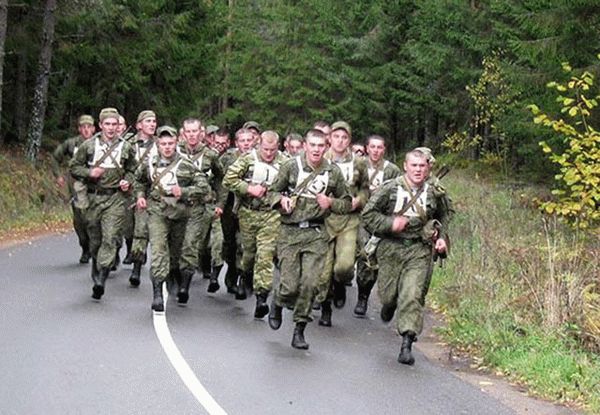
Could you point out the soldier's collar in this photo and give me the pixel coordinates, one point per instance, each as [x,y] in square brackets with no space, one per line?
[325,164]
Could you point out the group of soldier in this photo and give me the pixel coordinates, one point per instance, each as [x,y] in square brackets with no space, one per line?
[319,212]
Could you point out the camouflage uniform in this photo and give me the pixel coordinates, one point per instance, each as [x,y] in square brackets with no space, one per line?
[303,238]
[105,215]
[405,258]
[259,223]
[61,156]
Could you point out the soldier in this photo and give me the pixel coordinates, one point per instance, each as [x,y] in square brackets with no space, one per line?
[61,156]
[317,188]
[209,136]
[343,229]
[136,234]
[254,127]
[411,217]
[249,178]
[106,164]
[293,144]
[358,149]
[221,143]
[201,216]
[244,141]
[166,186]
[379,171]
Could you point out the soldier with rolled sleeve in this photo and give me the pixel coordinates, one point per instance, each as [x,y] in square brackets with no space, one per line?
[106,165]
[411,217]
[310,188]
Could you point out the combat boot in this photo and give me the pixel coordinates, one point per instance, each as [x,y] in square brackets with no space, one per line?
[213,285]
[275,316]
[339,293]
[134,278]
[128,256]
[325,319]
[98,289]
[405,357]
[85,257]
[249,281]
[262,309]
[387,312]
[157,301]
[184,285]
[298,341]
[231,278]
[363,299]
[240,291]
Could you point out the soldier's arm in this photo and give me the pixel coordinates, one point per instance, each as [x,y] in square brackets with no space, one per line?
[78,165]
[130,163]
[197,187]
[233,179]
[219,188]
[363,183]
[280,184]
[444,210]
[341,202]
[392,172]
[141,181]
[374,214]
[58,157]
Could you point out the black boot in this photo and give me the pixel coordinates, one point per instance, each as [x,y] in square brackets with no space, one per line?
[405,357]
[325,319]
[213,285]
[184,285]
[98,289]
[339,293]
[298,341]
[231,278]
[363,299]
[240,291]
[249,281]
[85,256]
[262,309]
[134,278]
[157,301]
[275,316]
[116,262]
[205,266]
[128,256]
[387,312]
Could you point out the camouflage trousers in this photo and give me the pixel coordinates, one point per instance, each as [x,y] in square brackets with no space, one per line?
[105,217]
[404,272]
[129,219]
[196,233]
[140,235]
[301,260]
[340,258]
[366,265]
[80,226]
[166,239]
[258,231]
[231,241]
[215,242]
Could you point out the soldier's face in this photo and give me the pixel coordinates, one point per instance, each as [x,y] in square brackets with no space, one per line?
[340,140]
[221,143]
[294,147]
[417,169]
[109,127]
[209,139]
[193,133]
[314,148]
[375,150]
[244,142]
[87,130]
[147,126]
[167,146]
[268,150]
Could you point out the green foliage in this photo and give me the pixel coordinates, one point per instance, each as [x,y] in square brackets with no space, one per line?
[578,193]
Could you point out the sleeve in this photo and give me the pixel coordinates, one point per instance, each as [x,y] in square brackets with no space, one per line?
[58,157]
[374,213]
[78,164]
[141,181]
[233,179]
[130,164]
[341,202]
[363,183]
[219,173]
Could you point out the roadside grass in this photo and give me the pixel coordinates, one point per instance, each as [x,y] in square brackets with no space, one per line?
[29,196]
[521,293]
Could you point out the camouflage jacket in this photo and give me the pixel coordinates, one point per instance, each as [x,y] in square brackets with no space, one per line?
[207,161]
[380,173]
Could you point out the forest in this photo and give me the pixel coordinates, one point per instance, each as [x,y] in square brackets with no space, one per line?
[453,75]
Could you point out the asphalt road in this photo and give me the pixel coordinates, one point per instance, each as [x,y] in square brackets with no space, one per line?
[64,353]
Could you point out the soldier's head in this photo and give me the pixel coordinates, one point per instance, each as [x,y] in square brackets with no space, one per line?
[166,141]
[85,126]
[416,167]
[122,125]
[244,140]
[428,154]
[268,145]
[294,144]
[209,136]
[315,144]
[254,127]
[221,142]
[109,119]
[340,137]
[146,123]
[358,149]
[323,126]
[375,148]
[193,133]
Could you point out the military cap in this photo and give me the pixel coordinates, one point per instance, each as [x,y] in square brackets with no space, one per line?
[427,152]
[166,130]
[85,119]
[145,114]
[343,125]
[252,124]
[108,113]
[212,129]
[294,136]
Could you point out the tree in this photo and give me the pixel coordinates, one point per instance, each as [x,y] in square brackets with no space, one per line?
[3,24]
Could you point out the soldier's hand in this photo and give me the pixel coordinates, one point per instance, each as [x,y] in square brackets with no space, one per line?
[286,204]
[218,212]
[355,203]
[324,201]
[176,191]
[124,185]
[96,172]
[60,181]
[256,190]
[141,203]
[399,223]
[441,246]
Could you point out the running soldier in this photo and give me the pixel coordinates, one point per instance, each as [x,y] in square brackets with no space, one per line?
[249,178]
[316,187]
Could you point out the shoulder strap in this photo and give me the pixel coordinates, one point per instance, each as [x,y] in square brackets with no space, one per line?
[300,188]
[156,180]
[413,199]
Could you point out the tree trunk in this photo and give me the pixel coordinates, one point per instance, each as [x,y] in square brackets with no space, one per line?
[225,96]
[20,103]
[3,24]
[40,94]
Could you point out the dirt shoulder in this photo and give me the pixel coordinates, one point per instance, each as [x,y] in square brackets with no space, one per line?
[19,236]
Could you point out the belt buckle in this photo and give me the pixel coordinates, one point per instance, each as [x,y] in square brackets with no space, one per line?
[304,224]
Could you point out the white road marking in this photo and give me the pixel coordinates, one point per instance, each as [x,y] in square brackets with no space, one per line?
[183,369]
